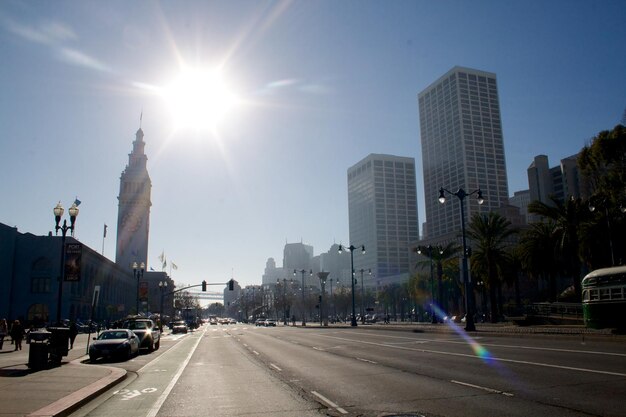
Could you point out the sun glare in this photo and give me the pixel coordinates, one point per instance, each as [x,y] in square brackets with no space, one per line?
[199,99]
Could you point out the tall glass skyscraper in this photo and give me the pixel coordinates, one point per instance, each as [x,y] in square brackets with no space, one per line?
[382,204]
[462,147]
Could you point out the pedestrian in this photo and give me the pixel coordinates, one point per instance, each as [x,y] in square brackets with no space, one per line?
[3,331]
[17,333]
[73,333]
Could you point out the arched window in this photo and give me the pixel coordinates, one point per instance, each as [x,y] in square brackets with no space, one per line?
[40,276]
[38,314]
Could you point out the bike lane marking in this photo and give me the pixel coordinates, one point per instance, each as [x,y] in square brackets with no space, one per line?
[159,402]
[141,397]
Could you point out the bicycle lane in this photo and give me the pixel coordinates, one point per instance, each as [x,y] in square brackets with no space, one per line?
[144,396]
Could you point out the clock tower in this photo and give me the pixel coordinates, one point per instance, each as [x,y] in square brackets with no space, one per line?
[133,215]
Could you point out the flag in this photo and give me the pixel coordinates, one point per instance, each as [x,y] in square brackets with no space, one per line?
[77,202]
[105,231]
[174,266]
[164,263]
[162,256]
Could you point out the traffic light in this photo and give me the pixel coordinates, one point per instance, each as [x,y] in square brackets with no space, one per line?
[231,285]
[203,285]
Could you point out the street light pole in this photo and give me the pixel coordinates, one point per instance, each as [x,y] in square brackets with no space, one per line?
[58,213]
[322,276]
[469,290]
[363,295]
[162,287]
[351,248]
[284,298]
[138,274]
[302,271]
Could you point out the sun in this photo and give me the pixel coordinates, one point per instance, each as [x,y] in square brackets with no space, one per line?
[199,99]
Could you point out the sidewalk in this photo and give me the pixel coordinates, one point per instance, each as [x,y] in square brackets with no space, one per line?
[50,392]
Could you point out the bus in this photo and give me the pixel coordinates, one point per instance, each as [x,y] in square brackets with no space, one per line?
[604,298]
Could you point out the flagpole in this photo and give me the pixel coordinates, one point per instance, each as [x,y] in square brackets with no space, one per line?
[104,235]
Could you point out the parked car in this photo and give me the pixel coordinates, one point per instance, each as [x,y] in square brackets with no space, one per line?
[269,323]
[259,322]
[179,327]
[119,343]
[148,333]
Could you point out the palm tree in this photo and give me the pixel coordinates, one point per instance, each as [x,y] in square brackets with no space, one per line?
[537,251]
[490,258]
[567,218]
[438,257]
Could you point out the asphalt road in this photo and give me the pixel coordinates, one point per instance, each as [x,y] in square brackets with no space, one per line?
[253,371]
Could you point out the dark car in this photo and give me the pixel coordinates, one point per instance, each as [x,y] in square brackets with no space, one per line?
[179,327]
[118,343]
[148,333]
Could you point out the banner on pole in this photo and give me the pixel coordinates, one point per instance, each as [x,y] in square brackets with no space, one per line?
[73,256]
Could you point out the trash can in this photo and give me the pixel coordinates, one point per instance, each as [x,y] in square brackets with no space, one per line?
[38,350]
[59,343]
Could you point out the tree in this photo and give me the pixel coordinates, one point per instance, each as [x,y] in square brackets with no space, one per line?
[491,258]
[567,218]
[603,163]
[538,254]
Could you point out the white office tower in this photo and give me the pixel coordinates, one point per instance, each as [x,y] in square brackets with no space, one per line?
[462,147]
[382,203]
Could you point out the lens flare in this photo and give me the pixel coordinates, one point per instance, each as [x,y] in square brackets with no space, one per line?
[479,350]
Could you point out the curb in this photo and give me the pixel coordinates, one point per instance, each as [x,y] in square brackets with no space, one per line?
[71,402]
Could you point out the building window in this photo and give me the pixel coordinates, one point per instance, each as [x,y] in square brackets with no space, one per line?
[40,276]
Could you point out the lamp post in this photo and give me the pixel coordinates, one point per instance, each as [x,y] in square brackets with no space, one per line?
[351,248]
[429,251]
[284,298]
[363,295]
[469,291]
[162,288]
[332,297]
[302,271]
[138,274]
[322,276]
[58,213]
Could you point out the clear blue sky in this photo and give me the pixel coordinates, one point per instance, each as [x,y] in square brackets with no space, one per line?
[322,84]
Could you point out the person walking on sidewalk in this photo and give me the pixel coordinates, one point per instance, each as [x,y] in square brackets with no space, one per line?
[17,333]
[3,331]
[73,333]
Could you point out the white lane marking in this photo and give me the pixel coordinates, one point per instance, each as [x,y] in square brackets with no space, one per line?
[318,348]
[275,367]
[159,402]
[255,352]
[495,391]
[329,402]
[245,344]
[493,358]
[457,342]
[367,360]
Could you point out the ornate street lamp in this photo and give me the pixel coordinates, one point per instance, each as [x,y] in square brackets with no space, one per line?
[138,274]
[469,291]
[284,298]
[302,271]
[322,276]
[162,288]
[58,213]
[369,271]
[351,248]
